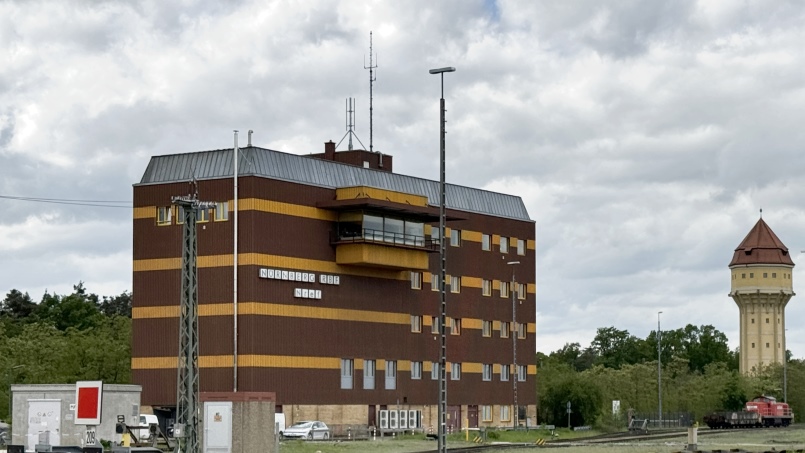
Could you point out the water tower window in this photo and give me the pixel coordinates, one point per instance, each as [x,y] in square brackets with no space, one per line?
[751,275]
[753,345]
[767,320]
[765,275]
[743,275]
[774,275]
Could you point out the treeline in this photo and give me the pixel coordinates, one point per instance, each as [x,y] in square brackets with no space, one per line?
[699,375]
[63,339]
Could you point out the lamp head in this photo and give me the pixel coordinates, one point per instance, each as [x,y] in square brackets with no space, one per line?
[442,70]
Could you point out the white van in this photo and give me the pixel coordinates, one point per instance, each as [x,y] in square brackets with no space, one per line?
[279,424]
[145,421]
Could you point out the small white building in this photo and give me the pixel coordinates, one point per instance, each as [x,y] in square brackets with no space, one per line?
[51,407]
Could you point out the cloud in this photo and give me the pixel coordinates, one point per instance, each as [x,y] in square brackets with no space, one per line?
[643,137]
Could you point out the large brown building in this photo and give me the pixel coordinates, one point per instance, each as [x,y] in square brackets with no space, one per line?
[336,300]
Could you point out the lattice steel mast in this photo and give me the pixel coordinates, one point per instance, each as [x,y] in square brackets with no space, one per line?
[187,404]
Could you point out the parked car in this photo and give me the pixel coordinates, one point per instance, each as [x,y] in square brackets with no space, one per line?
[144,434]
[306,430]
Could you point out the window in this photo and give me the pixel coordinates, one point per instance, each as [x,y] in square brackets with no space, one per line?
[743,275]
[521,373]
[753,345]
[434,235]
[455,371]
[774,275]
[434,324]
[486,287]
[504,414]
[347,369]
[455,284]
[504,373]
[203,216]
[486,328]
[504,244]
[767,345]
[486,242]
[455,238]
[164,215]
[391,374]
[434,282]
[504,329]
[487,372]
[751,275]
[521,330]
[521,247]
[416,370]
[221,211]
[504,289]
[369,367]
[416,323]
[521,292]
[486,413]
[434,371]
[455,326]
[179,215]
[767,320]
[416,280]
[765,275]
[753,320]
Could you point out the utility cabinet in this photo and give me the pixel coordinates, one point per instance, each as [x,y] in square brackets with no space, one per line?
[238,422]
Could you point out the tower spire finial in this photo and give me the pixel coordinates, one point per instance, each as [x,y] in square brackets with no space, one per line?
[761,213]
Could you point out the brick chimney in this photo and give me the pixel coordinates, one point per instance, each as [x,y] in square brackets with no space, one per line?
[329,150]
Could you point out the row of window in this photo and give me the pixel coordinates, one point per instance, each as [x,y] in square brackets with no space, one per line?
[505,245]
[454,324]
[455,285]
[767,321]
[390,382]
[767,345]
[765,275]
[165,214]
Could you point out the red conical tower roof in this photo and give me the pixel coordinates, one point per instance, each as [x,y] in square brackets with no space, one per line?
[761,246]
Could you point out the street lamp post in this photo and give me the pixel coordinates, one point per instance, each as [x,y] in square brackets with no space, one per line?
[785,370]
[515,375]
[442,274]
[659,370]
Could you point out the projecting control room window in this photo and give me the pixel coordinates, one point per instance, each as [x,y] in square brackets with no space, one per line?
[354,226]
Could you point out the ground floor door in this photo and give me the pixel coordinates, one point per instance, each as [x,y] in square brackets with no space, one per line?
[372,420]
[453,416]
[472,416]
[218,427]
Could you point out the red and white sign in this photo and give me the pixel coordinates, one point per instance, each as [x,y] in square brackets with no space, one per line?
[88,399]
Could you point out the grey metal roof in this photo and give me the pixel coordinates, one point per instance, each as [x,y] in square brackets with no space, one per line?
[272,164]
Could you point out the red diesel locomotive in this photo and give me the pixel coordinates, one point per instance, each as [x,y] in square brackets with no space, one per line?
[762,411]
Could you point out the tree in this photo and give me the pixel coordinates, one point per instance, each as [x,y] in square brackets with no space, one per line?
[17,305]
[118,305]
[78,310]
[584,396]
[615,348]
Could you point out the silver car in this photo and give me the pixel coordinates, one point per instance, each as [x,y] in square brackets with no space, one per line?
[306,430]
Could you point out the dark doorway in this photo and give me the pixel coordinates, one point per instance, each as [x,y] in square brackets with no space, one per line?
[372,416]
[472,416]
[453,416]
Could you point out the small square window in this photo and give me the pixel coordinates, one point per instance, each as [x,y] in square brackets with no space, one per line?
[767,345]
[765,275]
[767,320]
[751,275]
[486,329]
[164,215]
[455,371]
[455,284]
[774,275]
[416,370]
[504,373]
[416,323]
[486,372]
[416,280]
[743,275]
[455,238]
[753,345]
[504,244]
[455,326]
[753,320]
[486,242]
[222,211]
[486,287]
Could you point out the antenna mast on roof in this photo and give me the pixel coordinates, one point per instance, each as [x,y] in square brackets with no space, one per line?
[372,77]
[350,120]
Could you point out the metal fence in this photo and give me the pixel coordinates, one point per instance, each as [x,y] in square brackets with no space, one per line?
[668,420]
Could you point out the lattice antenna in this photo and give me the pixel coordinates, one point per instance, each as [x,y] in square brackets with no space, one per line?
[372,77]
[350,124]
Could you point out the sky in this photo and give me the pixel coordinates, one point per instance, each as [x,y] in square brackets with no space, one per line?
[643,137]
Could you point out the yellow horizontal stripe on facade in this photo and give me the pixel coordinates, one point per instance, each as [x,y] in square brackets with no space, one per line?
[277,207]
[403,365]
[473,236]
[470,323]
[281,361]
[531,244]
[155,312]
[336,314]
[531,369]
[471,282]
[471,367]
[531,288]
[153,363]
[216,361]
[144,212]
[531,328]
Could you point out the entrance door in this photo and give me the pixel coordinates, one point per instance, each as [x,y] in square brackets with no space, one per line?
[218,427]
[453,416]
[472,416]
[43,415]
[372,416]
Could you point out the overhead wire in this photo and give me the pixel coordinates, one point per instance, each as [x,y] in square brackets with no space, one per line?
[73,202]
